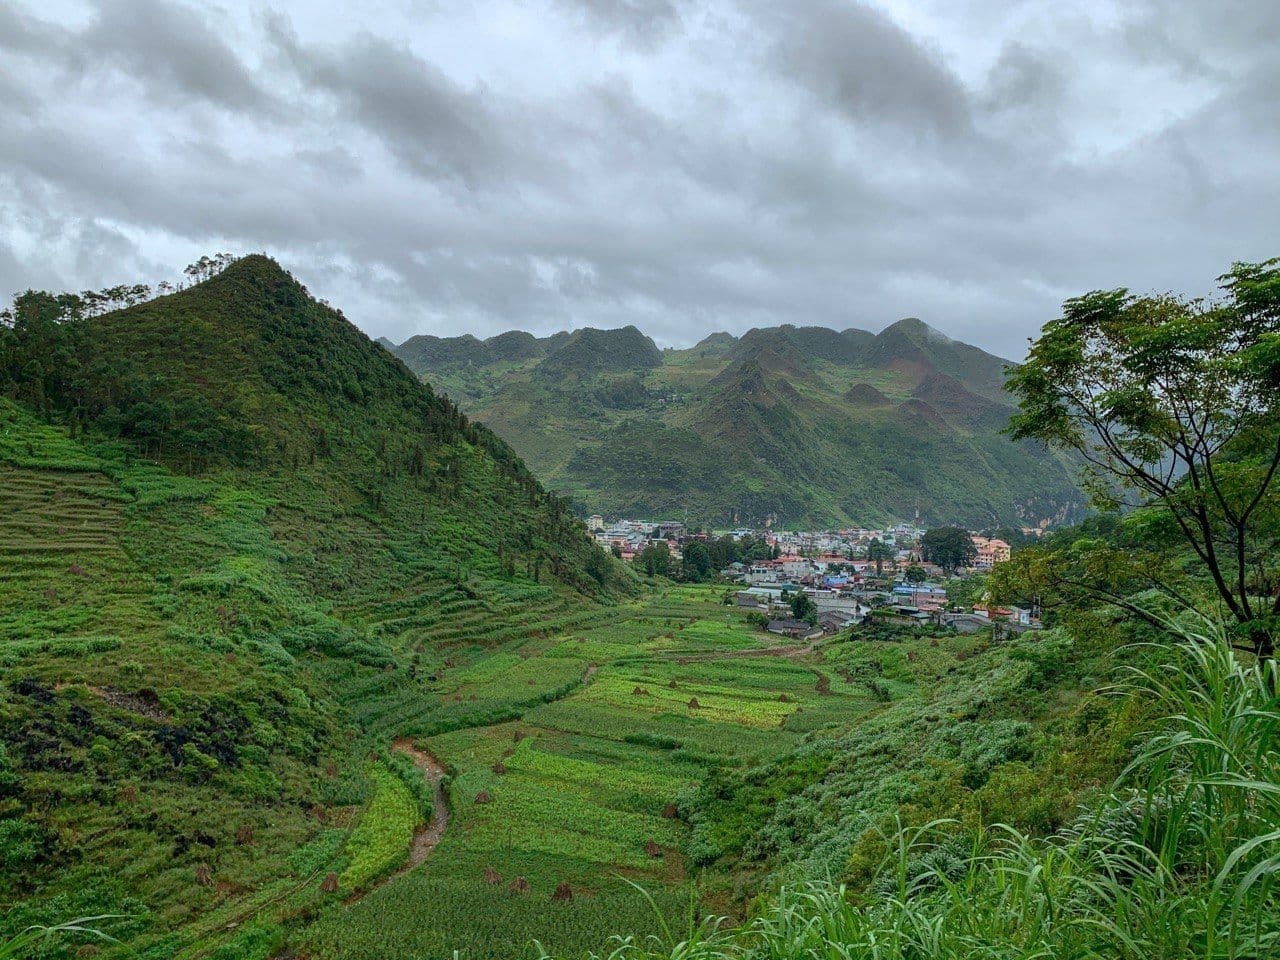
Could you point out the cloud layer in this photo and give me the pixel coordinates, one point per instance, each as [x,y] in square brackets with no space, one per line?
[473,167]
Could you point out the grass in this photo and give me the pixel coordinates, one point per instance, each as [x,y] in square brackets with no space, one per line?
[1180,859]
[575,788]
[579,806]
[381,840]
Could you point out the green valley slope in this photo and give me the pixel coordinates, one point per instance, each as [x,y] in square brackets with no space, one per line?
[805,425]
[240,548]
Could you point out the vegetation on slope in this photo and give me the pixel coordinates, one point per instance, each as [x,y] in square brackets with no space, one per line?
[239,543]
[1180,859]
[802,424]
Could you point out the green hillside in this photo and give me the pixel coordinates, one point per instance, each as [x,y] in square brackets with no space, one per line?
[298,662]
[241,548]
[807,425]
[245,552]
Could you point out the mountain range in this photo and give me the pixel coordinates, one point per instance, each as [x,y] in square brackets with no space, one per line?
[800,426]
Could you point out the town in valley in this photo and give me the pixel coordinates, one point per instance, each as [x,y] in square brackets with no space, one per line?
[812,583]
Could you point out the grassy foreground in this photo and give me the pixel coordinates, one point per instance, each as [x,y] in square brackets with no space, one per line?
[1180,860]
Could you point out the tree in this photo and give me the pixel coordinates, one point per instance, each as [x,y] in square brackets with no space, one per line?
[597,564]
[655,560]
[915,574]
[697,561]
[1172,402]
[878,552]
[803,607]
[948,547]
[41,337]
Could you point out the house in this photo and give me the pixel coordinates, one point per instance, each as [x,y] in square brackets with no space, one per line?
[833,621]
[595,522]
[1021,615]
[795,567]
[990,552]
[795,628]
[911,612]
[991,612]
[751,601]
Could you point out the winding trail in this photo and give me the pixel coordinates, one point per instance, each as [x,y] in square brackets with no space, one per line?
[425,840]
[428,837]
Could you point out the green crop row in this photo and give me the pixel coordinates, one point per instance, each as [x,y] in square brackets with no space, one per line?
[381,839]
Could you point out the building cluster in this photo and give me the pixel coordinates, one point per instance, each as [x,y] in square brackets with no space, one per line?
[629,537]
[990,552]
[839,570]
[801,554]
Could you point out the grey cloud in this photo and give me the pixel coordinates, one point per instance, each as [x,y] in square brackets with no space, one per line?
[23,33]
[643,22]
[431,124]
[178,51]
[854,57]
[1022,77]
[763,163]
[175,52]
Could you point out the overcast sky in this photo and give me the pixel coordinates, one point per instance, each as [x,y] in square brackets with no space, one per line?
[441,167]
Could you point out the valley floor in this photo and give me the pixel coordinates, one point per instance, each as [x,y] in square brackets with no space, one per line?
[580,794]
[206,678]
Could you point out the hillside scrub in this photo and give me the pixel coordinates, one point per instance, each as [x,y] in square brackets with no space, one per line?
[1179,859]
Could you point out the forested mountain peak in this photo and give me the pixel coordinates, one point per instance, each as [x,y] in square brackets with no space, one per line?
[245,367]
[590,351]
[247,372]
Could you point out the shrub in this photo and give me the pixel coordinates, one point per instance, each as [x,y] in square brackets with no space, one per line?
[23,844]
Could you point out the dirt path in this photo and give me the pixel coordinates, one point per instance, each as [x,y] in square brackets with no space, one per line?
[425,840]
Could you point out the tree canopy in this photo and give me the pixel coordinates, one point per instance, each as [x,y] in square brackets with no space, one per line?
[1171,403]
[948,547]
[878,552]
[803,607]
[696,565]
[655,560]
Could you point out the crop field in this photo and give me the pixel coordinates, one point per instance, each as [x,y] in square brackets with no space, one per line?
[207,635]
[573,752]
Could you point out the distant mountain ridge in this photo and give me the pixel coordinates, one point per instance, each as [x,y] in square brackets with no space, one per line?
[793,424]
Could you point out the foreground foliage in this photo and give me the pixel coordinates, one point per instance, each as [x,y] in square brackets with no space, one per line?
[1174,403]
[1181,859]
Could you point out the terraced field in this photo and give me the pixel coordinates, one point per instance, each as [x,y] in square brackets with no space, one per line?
[205,677]
[574,731]
[609,720]
[268,662]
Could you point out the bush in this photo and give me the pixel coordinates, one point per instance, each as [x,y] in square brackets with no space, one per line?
[23,845]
